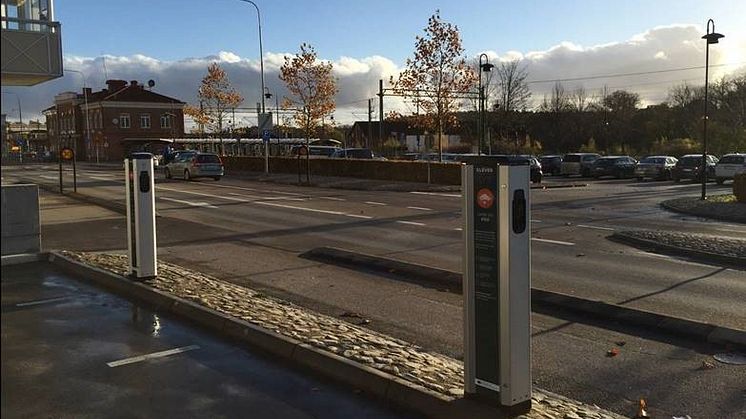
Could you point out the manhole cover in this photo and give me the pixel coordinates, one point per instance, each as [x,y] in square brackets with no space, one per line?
[731,358]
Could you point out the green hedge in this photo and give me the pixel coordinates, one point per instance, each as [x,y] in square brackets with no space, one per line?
[739,187]
[402,171]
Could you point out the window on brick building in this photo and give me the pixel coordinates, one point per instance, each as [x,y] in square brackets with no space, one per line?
[165,121]
[144,120]
[124,120]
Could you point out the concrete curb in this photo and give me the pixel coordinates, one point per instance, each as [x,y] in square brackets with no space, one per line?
[671,206]
[374,382]
[21,258]
[731,261]
[540,299]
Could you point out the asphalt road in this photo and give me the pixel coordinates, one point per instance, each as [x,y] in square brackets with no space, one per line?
[251,233]
[71,350]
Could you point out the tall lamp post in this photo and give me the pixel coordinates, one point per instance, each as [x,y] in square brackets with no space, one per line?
[483,67]
[711,37]
[20,119]
[261,70]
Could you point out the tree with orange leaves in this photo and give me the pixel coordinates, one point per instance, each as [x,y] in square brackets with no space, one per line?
[311,86]
[218,98]
[438,76]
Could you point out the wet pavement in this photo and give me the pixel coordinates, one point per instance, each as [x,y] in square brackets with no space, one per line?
[71,350]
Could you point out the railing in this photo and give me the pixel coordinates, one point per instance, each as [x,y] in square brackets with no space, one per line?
[29,25]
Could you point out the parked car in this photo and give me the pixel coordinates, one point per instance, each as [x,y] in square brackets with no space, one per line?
[615,166]
[195,165]
[578,164]
[551,165]
[356,153]
[172,156]
[655,167]
[690,167]
[729,166]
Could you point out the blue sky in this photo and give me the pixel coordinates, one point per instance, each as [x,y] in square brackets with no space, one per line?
[173,42]
[175,29]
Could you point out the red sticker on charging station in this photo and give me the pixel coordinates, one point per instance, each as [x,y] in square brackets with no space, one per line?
[485,198]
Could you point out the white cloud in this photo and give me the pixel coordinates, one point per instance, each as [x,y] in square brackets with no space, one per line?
[660,48]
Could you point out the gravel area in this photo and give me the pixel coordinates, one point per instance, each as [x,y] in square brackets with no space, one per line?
[405,360]
[727,211]
[723,246]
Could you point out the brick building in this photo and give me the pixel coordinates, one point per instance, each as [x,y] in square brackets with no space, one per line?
[122,117]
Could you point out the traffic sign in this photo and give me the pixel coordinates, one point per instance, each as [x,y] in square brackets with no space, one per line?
[266,135]
[67,153]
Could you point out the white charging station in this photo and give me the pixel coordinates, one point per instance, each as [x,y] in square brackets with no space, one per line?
[140,194]
[497,282]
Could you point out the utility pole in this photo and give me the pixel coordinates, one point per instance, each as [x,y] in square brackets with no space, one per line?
[380,111]
[370,123]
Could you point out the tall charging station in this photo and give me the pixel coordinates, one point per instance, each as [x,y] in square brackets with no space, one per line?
[140,194]
[497,282]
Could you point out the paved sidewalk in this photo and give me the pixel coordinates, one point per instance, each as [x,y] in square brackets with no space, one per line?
[73,351]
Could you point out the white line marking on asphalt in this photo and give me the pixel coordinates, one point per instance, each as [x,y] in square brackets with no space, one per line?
[537,221]
[596,227]
[202,194]
[553,241]
[459,229]
[101,178]
[420,208]
[438,194]
[331,198]
[153,355]
[268,198]
[301,208]
[49,177]
[375,203]
[192,204]
[255,190]
[367,217]
[411,223]
[45,301]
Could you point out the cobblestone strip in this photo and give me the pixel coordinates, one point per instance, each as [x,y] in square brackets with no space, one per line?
[717,245]
[405,360]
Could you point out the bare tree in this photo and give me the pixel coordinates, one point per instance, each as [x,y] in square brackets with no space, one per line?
[512,88]
[559,101]
[580,100]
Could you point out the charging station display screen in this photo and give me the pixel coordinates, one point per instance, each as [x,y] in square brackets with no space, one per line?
[486,285]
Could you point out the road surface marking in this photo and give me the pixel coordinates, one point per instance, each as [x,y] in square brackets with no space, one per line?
[99,177]
[45,301]
[411,223]
[367,217]
[596,227]
[273,204]
[268,198]
[49,177]
[537,221]
[331,198]
[375,203]
[420,208]
[438,194]
[192,204]
[202,194]
[459,229]
[256,190]
[553,241]
[153,355]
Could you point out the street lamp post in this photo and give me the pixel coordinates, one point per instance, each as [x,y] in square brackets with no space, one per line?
[486,67]
[87,119]
[711,37]
[20,121]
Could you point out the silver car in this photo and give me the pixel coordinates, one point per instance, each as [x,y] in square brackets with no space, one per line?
[729,166]
[195,165]
[655,167]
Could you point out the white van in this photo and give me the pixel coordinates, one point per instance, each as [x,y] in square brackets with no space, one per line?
[729,166]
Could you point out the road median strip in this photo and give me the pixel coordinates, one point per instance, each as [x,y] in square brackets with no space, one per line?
[384,367]
[544,301]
